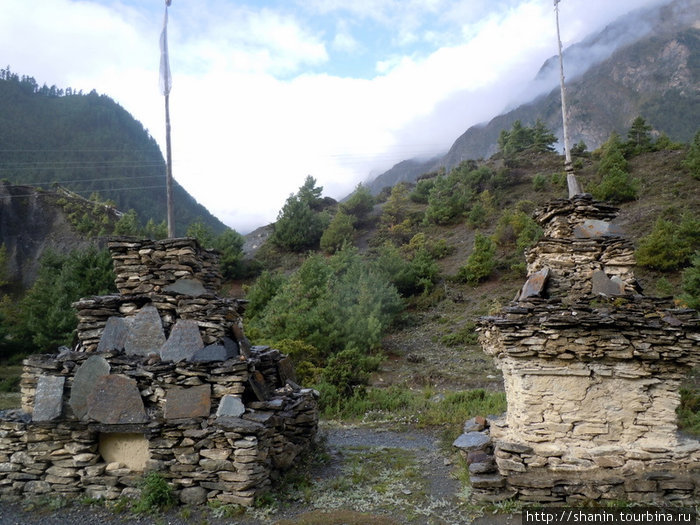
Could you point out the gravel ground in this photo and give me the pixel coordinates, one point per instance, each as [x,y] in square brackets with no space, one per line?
[439,504]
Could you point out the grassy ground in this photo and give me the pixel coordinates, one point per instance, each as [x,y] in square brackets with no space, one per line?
[9,386]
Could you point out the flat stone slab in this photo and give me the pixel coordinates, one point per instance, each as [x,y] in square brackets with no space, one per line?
[114,335]
[594,228]
[218,352]
[181,403]
[230,406]
[601,284]
[145,333]
[472,441]
[84,381]
[115,400]
[183,342]
[185,286]
[285,368]
[48,400]
[535,284]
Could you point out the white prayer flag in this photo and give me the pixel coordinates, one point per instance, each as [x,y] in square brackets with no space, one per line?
[166,81]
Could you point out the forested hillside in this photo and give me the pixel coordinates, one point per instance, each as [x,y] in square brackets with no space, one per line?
[88,144]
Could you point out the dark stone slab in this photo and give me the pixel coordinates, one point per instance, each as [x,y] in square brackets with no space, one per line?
[487,481]
[183,342]
[601,284]
[472,441]
[483,467]
[115,400]
[230,406]
[145,333]
[185,286]
[518,448]
[211,353]
[593,228]
[84,381]
[236,424]
[48,399]
[535,284]
[186,403]
[259,385]
[114,335]
[285,368]
[478,456]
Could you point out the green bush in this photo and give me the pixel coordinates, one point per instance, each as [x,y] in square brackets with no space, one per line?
[689,411]
[481,263]
[517,229]
[669,246]
[44,318]
[331,304]
[616,183]
[265,288]
[156,495]
[421,192]
[539,182]
[414,274]
[300,224]
[349,369]
[360,204]
[691,283]
[692,157]
[339,232]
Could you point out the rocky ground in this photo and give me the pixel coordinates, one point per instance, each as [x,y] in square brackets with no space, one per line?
[361,475]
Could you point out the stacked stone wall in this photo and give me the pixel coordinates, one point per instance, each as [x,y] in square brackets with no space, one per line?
[193,441]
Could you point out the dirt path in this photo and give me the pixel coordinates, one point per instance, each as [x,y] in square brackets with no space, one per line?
[367,476]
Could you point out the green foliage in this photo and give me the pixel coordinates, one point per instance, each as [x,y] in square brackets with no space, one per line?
[689,411]
[398,404]
[539,182]
[616,184]
[481,263]
[359,204]
[692,157]
[453,196]
[332,304]
[44,318]
[579,149]
[349,369]
[300,224]
[522,138]
[306,358]
[464,336]
[265,288]
[414,273]
[421,192]
[670,245]
[691,283]
[516,229]
[339,232]
[228,243]
[639,137]
[156,495]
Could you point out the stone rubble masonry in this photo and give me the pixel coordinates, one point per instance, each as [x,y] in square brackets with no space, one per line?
[163,367]
[591,374]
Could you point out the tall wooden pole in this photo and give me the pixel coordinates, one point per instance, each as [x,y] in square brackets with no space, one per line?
[169,170]
[166,82]
[571,182]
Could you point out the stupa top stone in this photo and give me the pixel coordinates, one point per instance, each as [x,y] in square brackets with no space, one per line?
[581,252]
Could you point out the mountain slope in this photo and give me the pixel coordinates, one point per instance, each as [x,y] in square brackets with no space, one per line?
[86,143]
[655,76]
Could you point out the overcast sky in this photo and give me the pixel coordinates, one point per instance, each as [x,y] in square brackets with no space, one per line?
[266,92]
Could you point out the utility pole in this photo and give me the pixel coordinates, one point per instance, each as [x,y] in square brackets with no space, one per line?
[572,183]
[165,86]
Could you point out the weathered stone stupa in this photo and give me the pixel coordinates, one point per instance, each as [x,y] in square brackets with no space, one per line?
[162,380]
[592,371]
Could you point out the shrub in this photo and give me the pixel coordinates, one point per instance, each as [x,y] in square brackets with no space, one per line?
[265,288]
[539,182]
[360,203]
[349,369]
[44,318]
[411,276]
[422,191]
[156,495]
[669,246]
[299,224]
[339,232]
[616,186]
[331,304]
[691,283]
[517,228]
[481,263]
[692,158]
